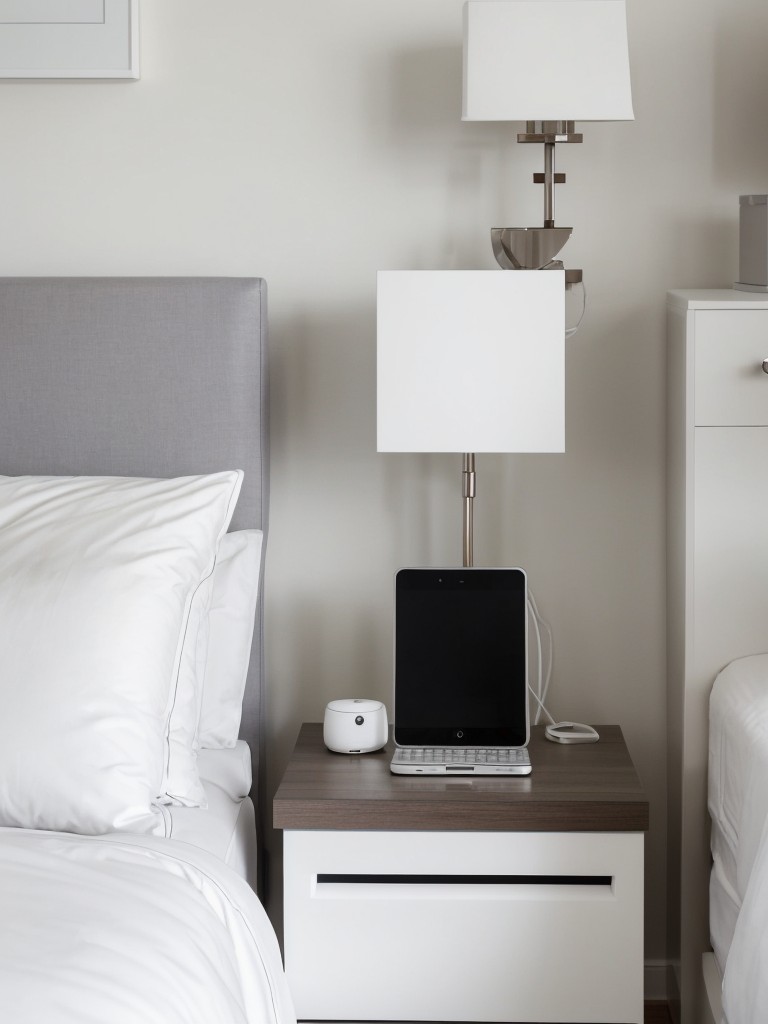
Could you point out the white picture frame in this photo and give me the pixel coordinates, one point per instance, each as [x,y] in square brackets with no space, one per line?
[69,39]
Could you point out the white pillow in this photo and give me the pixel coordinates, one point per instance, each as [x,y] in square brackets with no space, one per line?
[235,582]
[96,582]
[182,785]
[230,631]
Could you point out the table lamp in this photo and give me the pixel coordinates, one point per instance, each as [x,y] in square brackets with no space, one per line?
[548,63]
[470,361]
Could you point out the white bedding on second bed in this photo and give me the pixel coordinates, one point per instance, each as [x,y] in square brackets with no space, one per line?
[745,981]
[225,828]
[738,790]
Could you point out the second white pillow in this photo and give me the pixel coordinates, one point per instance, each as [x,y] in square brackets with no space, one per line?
[231,621]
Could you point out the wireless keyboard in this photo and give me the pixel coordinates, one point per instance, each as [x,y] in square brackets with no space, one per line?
[461,761]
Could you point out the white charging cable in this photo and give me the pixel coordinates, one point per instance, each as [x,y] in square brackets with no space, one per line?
[558,732]
[572,330]
[542,678]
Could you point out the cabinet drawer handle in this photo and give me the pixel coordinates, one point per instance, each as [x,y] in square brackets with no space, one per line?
[765,366]
[368,879]
[457,888]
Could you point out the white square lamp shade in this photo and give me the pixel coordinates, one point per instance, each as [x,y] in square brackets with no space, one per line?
[546,60]
[471,361]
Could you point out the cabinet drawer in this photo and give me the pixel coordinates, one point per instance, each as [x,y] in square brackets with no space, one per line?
[731,388]
[464,926]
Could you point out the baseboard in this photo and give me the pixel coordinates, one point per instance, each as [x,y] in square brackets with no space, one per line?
[661,985]
[658,981]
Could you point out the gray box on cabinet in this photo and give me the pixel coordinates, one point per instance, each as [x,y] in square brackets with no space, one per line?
[753,244]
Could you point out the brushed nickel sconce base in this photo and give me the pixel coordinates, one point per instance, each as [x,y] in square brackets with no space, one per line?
[527,248]
[536,248]
[550,132]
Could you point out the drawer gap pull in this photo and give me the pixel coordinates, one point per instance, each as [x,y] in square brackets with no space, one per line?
[368,879]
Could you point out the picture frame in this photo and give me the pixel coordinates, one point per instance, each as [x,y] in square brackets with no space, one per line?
[97,39]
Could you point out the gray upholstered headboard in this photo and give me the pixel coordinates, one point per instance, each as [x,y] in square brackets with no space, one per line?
[140,377]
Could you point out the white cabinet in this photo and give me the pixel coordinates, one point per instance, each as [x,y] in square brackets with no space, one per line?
[717,569]
[464,899]
[464,926]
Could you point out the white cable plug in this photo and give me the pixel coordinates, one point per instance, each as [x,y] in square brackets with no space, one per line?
[571,732]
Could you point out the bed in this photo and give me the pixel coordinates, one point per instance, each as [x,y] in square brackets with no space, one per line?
[735,972]
[133,510]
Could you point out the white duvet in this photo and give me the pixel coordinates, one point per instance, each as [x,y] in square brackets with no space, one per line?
[118,929]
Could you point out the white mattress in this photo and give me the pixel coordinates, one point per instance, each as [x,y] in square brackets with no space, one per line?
[226,827]
[738,789]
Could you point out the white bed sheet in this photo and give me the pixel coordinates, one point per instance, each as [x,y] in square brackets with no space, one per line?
[738,789]
[225,828]
[125,928]
[745,981]
[724,901]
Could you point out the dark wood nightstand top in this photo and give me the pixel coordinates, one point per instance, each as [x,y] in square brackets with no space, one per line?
[589,787]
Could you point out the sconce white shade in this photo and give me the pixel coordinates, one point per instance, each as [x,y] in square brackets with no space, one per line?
[471,361]
[546,60]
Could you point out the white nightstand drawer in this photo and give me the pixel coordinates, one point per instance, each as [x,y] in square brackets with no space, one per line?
[464,925]
[731,388]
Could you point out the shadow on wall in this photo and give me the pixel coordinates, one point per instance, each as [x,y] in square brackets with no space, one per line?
[323,386]
[423,503]
[415,100]
[704,246]
[740,91]
[419,92]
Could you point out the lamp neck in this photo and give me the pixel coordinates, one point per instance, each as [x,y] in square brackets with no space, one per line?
[469,480]
[549,184]
[549,133]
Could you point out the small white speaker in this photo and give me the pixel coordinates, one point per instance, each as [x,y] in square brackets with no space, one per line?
[355,726]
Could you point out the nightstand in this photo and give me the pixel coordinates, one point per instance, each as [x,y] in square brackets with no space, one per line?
[447,899]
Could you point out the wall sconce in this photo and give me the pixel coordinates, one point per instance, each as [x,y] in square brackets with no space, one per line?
[548,63]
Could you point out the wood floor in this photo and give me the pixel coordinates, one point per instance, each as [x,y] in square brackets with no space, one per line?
[657,1013]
